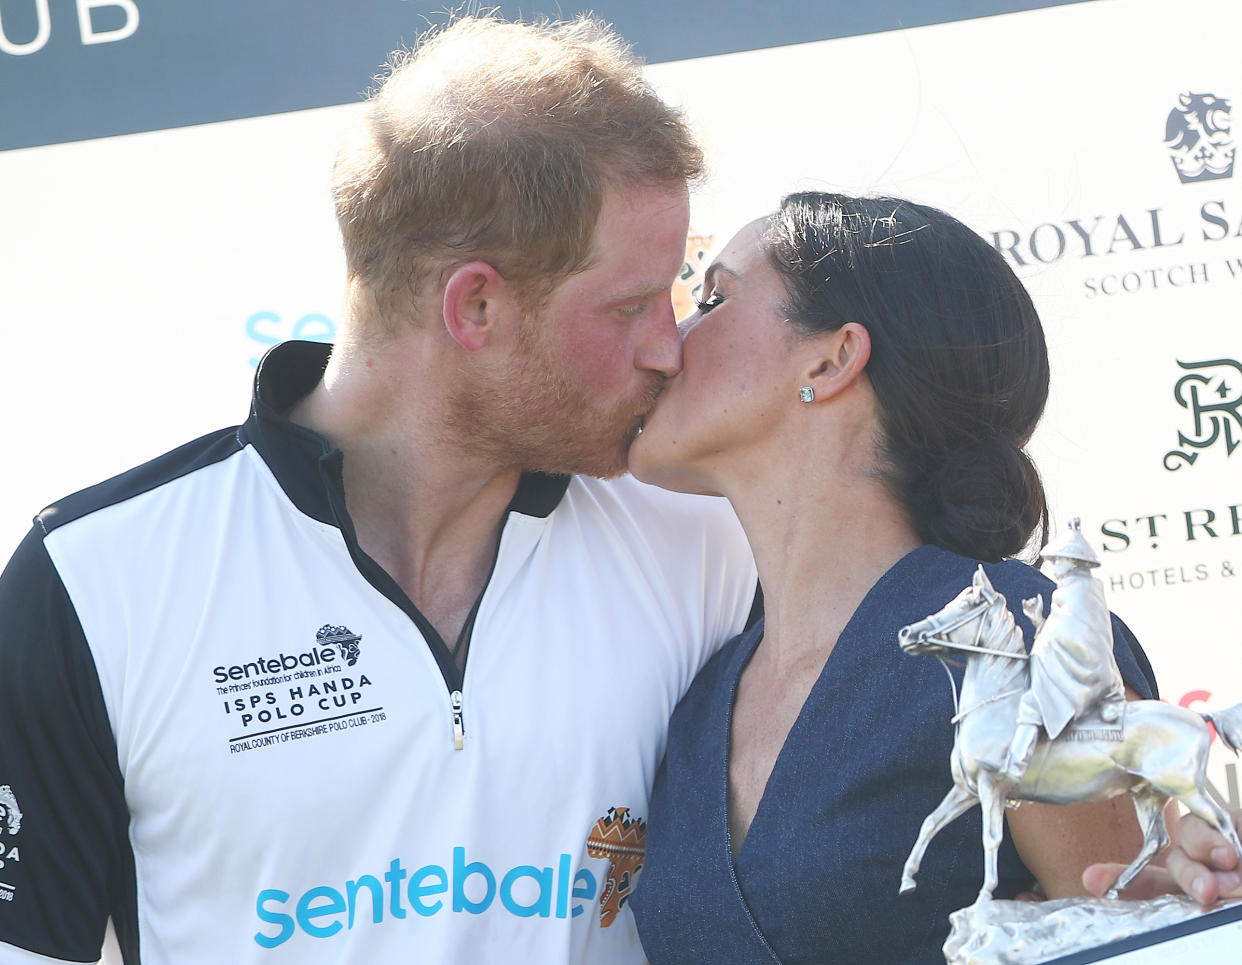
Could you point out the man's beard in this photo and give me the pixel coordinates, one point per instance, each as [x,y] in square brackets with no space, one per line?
[537,416]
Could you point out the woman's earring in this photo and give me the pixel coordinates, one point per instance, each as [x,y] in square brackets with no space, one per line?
[806,394]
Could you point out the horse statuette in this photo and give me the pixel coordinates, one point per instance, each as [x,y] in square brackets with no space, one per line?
[1151,750]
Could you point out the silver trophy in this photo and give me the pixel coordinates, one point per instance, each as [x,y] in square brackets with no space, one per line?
[1054,726]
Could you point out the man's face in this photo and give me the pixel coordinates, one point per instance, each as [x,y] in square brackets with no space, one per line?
[595,355]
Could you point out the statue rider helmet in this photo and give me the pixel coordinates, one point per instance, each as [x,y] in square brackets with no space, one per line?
[1071,545]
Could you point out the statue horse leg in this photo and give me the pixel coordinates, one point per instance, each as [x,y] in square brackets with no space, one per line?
[956,803]
[1149,806]
[992,801]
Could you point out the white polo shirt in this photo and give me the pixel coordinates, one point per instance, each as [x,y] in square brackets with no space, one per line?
[228,729]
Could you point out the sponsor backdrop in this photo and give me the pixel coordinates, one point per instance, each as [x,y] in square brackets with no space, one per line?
[145,271]
[1092,145]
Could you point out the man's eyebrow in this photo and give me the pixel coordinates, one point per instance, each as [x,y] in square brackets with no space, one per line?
[637,293]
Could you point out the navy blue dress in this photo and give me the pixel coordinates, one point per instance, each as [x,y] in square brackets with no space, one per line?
[866,761]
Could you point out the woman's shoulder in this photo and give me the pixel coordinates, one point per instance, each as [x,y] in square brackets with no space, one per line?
[715,681]
[1015,578]
[936,574]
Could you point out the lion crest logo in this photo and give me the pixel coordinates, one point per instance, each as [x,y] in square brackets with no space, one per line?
[623,841]
[341,638]
[10,813]
[1198,138]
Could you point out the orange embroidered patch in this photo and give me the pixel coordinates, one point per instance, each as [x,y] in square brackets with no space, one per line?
[623,841]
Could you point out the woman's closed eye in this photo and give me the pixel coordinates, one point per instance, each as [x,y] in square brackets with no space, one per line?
[713,301]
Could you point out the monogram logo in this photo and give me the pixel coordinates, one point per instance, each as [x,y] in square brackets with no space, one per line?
[1211,393]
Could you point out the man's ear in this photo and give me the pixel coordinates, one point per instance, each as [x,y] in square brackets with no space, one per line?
[478,305]
[839,361]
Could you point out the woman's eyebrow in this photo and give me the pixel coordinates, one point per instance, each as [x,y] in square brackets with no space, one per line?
[718,266]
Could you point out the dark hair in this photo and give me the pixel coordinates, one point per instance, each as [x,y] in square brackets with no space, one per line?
[958,360]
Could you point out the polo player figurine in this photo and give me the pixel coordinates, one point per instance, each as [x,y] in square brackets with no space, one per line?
[1074,678]
[1062,710]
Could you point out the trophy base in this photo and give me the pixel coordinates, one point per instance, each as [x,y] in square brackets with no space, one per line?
[1075,931]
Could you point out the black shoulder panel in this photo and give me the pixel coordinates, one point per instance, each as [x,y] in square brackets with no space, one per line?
[204,451]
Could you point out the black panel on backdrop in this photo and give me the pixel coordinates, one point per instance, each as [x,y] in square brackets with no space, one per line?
[76,69]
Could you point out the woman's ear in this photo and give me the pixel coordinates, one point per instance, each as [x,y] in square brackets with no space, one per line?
[478,305]
[841,359]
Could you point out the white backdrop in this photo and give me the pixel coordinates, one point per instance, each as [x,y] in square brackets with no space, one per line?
[1020,125]
[141,276]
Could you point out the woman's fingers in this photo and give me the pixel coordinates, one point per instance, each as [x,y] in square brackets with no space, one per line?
[1192,877]
[1151,881]
[1203,862]
[1204,844]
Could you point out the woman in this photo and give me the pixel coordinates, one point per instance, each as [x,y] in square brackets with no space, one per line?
[859,381]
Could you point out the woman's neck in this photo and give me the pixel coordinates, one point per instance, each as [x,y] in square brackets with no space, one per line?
[819,549]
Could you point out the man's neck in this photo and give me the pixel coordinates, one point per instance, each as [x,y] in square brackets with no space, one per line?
[422,506]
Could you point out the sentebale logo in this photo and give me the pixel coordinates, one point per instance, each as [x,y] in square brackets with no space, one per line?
[457,887]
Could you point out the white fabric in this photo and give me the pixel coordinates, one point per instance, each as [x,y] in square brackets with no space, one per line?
[351,830]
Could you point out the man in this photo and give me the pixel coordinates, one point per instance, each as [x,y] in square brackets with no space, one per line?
[1072,666]
[382,675]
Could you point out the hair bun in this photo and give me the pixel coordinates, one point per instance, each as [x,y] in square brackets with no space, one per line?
[982,499]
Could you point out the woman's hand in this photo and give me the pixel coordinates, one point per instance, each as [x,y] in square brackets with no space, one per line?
[1200,863]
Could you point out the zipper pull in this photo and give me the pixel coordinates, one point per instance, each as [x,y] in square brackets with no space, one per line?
[459,733]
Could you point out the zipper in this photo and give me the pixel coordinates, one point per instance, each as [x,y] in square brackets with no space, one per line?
[378,577]
[546,494]
[459,731]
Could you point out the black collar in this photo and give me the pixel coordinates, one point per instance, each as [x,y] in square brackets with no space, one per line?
[303,462]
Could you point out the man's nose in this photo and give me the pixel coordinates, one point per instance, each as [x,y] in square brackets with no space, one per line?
[660,350]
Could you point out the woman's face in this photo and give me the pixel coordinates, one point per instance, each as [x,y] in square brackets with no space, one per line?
[738,376]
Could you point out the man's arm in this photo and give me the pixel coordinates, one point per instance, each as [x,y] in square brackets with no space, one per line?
[63,838]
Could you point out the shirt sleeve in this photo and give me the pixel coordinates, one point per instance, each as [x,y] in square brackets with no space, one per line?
[65,860]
